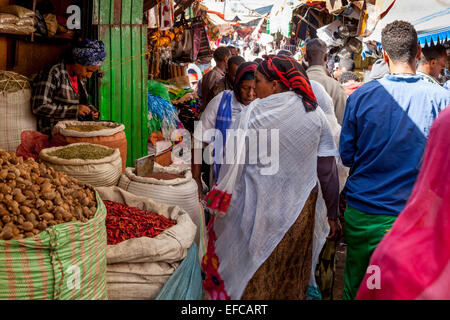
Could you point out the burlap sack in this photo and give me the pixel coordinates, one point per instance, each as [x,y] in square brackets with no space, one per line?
[15,116]
[103,172]
[138,268]
[113,138]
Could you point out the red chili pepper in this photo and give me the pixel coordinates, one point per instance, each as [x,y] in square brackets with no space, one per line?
[124,222]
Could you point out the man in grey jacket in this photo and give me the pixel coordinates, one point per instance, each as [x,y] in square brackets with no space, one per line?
[316,56]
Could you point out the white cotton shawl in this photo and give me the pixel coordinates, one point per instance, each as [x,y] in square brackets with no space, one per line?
[264,207]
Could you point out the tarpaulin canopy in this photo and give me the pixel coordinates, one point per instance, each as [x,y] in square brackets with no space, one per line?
[224,26]
[431,18]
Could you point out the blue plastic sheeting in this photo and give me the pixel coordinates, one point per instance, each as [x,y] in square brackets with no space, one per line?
[437,36]
[186,282]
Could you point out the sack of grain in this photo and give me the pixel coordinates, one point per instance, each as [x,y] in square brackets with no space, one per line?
[92,164]
[180,191]
[105,133]
[15,109]
[138,268]
[25,22]
[7,18]
[18,11]
[64,262]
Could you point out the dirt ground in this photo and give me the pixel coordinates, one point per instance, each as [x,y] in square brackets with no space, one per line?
[339,277]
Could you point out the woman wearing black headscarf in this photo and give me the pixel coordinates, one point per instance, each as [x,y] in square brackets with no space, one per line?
[219,114]
[261,236]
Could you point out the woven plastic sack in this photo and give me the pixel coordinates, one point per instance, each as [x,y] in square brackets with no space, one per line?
[65,262]
[25,22]
[18,11]
[138,268]
[103,172]
[113,138]
[52,24]
[15,117]
[7,18]
[186,282]
[180,191]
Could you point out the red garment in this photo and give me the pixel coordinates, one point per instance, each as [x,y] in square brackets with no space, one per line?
[291,74]
[74,82]
[414,257]
[351,86]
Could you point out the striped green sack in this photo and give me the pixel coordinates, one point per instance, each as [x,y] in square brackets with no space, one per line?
[65,262]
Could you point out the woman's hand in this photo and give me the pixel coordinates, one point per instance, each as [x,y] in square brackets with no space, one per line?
[335,229]
[83,110]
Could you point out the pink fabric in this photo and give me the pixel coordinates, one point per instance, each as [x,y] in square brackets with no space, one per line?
[414,257]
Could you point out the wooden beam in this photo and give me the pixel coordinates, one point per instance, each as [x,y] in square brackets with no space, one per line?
[149,4]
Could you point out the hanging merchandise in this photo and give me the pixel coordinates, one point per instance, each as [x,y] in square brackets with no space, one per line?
[162,116]
[202,47]
[153,18]
[166,14]
[330,34]
[280,17]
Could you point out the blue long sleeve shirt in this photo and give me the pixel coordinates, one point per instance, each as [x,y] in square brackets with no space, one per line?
[384,133]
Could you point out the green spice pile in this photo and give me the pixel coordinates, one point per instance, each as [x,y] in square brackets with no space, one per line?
[87,128]
[84,152]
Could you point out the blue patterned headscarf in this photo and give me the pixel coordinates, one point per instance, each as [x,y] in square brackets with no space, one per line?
[89,53]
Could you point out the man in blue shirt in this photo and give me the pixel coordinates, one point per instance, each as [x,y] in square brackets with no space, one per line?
[383,137]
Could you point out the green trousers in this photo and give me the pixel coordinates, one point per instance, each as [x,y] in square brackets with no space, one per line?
[363,233]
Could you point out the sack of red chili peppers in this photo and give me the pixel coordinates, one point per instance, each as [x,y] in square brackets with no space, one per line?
[138,268]
[180,190]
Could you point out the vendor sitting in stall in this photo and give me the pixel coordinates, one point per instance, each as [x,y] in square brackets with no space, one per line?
[60,92]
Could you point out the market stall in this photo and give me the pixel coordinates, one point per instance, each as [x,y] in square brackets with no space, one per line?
[59,194]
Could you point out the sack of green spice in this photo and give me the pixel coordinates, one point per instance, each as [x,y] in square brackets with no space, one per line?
[92,164]
[105,133]
[64,262]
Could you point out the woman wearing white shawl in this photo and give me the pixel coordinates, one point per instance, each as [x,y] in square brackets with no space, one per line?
[265,211]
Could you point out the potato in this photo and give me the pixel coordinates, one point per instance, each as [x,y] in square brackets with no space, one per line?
[42,226]
[18,237]
[7,234]
[48,216]
[28,226]
[48,195]
[67,216]
[25,210]
[29,234]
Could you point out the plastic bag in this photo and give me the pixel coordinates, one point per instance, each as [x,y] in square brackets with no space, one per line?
[32,142]
[186,282]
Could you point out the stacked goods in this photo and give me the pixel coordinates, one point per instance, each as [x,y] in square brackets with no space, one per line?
[179,191]
[108,134]
[92,164]
[16,20]
[124,222]
[139,267]
[15,109]
[52,231]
